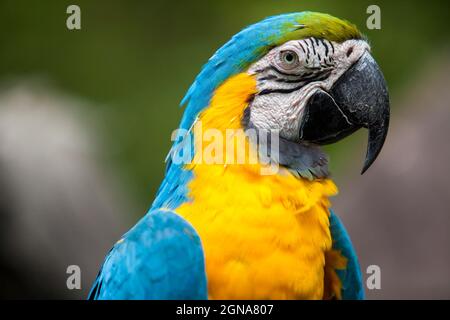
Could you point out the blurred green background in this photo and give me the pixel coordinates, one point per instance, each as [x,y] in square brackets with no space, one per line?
[132,62]
[136,59]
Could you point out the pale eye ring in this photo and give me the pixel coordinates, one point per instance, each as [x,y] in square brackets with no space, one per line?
[289,59]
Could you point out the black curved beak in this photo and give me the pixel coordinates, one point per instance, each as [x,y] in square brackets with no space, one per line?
[359,98]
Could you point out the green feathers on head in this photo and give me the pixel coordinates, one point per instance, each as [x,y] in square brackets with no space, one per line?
[318,25]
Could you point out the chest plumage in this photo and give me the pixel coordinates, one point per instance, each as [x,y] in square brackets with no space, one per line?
[264,236]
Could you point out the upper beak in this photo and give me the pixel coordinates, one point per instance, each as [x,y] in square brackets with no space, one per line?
[359,98]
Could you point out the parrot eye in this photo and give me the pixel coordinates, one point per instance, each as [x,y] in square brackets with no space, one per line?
[289,59]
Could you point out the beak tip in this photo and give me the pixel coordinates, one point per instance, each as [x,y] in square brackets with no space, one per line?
[365,167]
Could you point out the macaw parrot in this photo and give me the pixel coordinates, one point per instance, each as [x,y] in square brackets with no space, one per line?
[227,231]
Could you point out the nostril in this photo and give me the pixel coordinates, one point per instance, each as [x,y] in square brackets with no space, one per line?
[349,51]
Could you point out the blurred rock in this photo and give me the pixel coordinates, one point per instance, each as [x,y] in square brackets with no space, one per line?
[398,213]
[59,206]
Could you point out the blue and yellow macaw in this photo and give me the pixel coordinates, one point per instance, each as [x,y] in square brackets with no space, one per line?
[229,230]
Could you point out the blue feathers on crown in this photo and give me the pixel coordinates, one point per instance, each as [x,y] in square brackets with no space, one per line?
[237,54]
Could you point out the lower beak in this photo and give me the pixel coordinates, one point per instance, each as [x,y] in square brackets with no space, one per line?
[359,98]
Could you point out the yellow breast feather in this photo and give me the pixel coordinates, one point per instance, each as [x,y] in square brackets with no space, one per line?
[264,236]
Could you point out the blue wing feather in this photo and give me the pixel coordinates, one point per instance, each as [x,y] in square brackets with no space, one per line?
[161,257]
[351,278]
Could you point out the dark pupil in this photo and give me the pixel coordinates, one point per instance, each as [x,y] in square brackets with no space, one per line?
[289,57]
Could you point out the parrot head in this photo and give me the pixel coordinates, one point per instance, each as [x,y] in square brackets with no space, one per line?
[316,82]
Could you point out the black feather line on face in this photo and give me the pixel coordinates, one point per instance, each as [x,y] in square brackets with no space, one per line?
[325,46]
[301,46]
[268,77]
[319,76]
[274,68]
[313,47]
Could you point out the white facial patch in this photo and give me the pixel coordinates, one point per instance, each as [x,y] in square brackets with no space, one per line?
[290,74]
